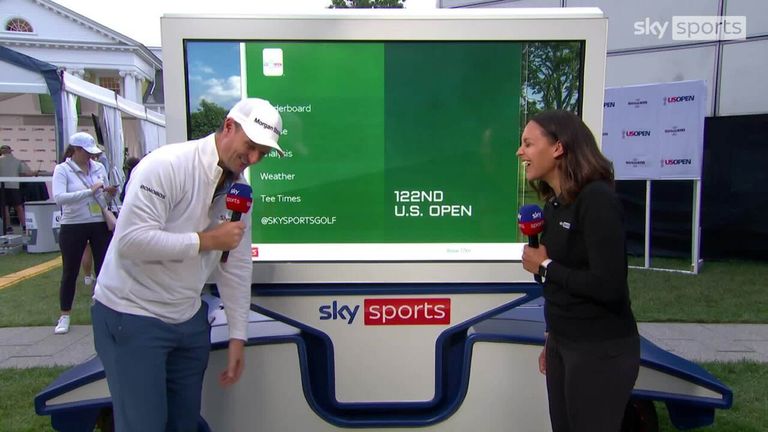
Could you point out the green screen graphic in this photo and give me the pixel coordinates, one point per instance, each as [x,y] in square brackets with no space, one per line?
[388,142]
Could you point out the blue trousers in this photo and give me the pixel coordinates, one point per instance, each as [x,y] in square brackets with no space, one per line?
[154,369]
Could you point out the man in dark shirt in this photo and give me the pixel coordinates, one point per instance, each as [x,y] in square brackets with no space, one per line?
[12,196]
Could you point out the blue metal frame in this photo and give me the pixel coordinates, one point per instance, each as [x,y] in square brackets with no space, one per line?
[450,363]
[505,324]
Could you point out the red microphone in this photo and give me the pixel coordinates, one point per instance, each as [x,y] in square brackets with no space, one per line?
[239,200]
[531,221]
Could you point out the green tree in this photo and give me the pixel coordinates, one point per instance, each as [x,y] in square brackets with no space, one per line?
[206,120]
[366,4]
[552,76]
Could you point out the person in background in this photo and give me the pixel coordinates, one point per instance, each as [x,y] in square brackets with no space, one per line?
[12,167]
[130,164]
[79,189]
[150,326]
[68,152]
[101,157]
[86,263]
[591,356]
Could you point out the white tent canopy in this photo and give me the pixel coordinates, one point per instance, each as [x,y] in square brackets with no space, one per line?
[152,124]
[17,80]
[106,97]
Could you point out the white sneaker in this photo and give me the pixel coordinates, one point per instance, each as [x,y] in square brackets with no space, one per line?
[63,326]
[88,279]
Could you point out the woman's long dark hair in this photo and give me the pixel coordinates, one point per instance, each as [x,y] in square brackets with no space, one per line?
[68,152]
[581,161]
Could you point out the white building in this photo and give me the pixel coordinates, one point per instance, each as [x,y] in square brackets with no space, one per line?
[82,47]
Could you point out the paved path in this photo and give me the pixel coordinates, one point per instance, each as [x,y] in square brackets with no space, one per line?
[710,342]
[25,347]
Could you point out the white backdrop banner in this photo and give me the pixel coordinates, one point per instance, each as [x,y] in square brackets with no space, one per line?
[655,131]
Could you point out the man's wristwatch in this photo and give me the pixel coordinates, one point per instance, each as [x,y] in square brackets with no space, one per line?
[543,269]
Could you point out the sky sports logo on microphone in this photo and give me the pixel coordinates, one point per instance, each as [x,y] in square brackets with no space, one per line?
[394,311]
[239,198]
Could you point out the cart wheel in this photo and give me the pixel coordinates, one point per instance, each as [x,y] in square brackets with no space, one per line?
[640,416]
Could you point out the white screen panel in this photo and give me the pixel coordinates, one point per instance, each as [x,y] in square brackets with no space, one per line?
[743,86]
[625,18]
[663,66]
[510,3]
[756,12]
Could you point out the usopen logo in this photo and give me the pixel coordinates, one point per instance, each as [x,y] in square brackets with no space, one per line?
[673,162]
[678,99]
[635,133]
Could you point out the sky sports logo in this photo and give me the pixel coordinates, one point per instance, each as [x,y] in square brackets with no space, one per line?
[403,311]
[635,133]
[695,28]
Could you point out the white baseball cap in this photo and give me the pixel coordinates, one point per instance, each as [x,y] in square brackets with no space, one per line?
[259,120]
[86,141]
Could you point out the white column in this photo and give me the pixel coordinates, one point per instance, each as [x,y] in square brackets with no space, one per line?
[129,85]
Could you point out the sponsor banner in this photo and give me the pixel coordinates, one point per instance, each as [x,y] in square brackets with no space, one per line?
[30,221]
[655,131]
[56,219]
[373,339]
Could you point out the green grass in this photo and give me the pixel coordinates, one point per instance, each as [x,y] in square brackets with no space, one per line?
[748,380]
[722,292]
[18,388]
[13,263]
[35,302]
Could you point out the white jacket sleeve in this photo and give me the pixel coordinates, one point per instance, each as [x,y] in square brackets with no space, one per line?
[140,231]
[233,278]
[59,188]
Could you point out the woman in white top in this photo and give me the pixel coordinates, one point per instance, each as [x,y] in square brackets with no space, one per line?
[80,188]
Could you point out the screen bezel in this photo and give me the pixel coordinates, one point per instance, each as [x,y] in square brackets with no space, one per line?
[587,25]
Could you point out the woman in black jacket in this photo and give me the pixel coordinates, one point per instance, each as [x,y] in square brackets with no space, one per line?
[592,352]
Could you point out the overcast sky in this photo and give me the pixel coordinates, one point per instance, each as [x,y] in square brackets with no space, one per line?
[140,19]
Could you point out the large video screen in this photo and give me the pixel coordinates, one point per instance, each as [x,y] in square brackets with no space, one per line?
[399,136]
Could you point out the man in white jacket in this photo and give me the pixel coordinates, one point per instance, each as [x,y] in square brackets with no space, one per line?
[150,327]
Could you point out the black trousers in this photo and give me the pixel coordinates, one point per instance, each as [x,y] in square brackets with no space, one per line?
[589,383]
[72,241]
